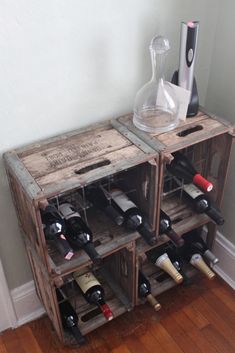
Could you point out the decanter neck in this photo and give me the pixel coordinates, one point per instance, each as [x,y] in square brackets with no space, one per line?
[158,64]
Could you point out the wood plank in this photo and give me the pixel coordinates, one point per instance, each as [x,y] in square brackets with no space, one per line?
[78,148]
[71,172]
[216,339]
[195,316]
[220,308]
[132,137]
[12,343]
[27,340]
[165,339]
[213,317]
[47,342]
[134,345]
[121,349]
[188,326]
[226,295]
[23,176]
[68,179]
[179,335]
[207,127]
[151,343]
[2,346]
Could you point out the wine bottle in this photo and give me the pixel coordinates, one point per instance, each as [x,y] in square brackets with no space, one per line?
[93,292]
[160,258]
[144,290]
[54,229]
[182,168]
[198,262]
[196,244]
[202,203]
[165,227]
[175,255]
[99,199]
[78,233]
[133,218]
[69,317]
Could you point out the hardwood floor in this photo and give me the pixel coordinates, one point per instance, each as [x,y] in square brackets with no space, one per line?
[196,319]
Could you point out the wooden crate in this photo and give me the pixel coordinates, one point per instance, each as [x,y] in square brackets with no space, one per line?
[208,139]
[62,166]
[113,152]
[117,276]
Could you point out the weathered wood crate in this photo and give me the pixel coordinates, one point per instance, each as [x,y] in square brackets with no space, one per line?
[206,140]
[62,167]
[113,152]
[117,277]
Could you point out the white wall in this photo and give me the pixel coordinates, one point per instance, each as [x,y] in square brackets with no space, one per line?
[68,63]
[221,97]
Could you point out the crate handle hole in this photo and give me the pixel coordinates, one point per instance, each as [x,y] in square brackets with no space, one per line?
[178,219]
[97,243]
[90,315]
[92,166]
[190,130]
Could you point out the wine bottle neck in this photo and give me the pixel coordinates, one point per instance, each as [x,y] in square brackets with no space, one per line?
[106,310]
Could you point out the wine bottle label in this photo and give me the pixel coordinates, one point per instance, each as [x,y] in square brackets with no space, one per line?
[122,200]
[85,281]
[192,190]
[67,211]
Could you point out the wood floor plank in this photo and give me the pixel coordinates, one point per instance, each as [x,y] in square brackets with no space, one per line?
[134,345]
[226,296]
[27,340]
[181,337]
[11,342]
[2,346]
[223,327]
[221,309]
[151,343]
[190,328]
[121,349]
[165,339]
[195,316]
[216,339]
[45,336]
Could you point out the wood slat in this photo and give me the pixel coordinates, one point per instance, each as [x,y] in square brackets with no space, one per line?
[115,160]
[80,148]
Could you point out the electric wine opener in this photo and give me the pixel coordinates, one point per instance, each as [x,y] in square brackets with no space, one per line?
[184,77]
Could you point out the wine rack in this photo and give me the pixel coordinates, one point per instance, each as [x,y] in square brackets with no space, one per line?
[107,154]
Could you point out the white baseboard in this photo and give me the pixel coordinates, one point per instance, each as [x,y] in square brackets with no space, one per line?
[225,251]
[26,303]
[7,313]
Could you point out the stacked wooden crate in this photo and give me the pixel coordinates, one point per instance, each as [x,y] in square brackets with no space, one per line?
[108,153]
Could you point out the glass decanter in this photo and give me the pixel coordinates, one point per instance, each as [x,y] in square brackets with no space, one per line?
[156,105]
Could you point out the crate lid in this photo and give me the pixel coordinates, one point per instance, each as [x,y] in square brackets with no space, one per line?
[193,130]
[78,158]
